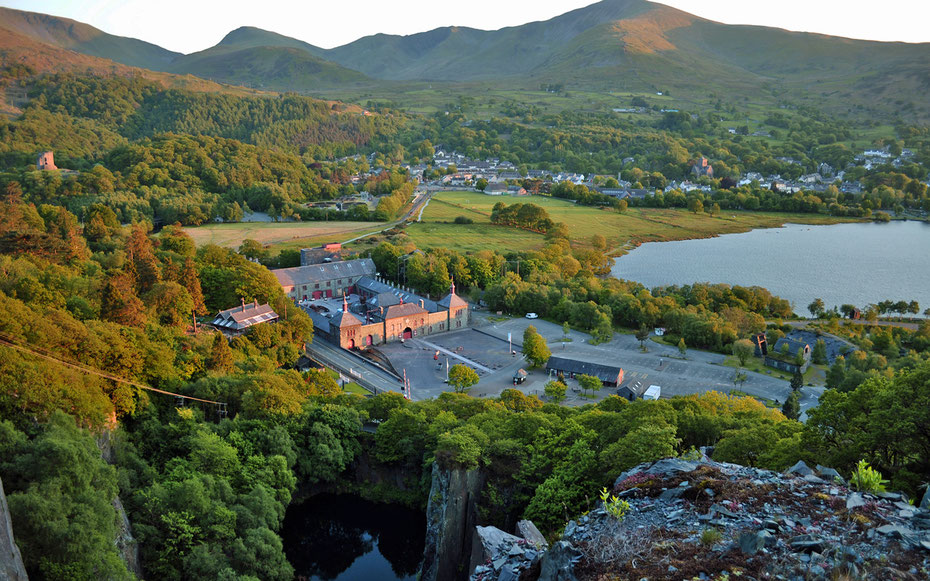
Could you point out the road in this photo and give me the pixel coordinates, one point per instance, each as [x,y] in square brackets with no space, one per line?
[419,204]
[366,374]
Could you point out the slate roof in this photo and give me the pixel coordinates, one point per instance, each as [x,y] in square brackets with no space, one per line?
[316,273]
[243,317]
[344,319]
[320,321]
[451,301]
[375,287]
[602,372]
[384,300]
[793,345]
[404,310]
[629,393]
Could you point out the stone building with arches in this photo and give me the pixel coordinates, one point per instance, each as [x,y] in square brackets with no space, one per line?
[385,317]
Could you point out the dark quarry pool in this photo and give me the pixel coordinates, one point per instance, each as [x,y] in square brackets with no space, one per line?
[345,538]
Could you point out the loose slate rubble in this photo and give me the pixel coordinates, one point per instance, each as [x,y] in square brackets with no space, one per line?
[500,556]
[803,524]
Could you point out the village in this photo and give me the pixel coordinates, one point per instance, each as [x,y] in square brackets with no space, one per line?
[496,177]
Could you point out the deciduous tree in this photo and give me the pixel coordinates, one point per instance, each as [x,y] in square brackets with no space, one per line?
[461,377]
[555,391]
[587,382]
[534,347]
[743,350]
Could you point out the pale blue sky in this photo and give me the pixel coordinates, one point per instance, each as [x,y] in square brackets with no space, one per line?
[192,25]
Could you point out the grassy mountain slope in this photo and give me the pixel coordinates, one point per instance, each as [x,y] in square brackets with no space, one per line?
[457,53]
[83,38]
[252,56]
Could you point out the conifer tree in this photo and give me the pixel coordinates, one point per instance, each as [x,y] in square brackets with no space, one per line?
[119,302]
[142,260]
[792,407]
[221,356]
[191,282]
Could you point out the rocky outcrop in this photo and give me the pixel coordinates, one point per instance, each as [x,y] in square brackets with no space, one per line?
[710,520]
[11,562]
[126,544]
[500,556]
[451,517]
[559,562]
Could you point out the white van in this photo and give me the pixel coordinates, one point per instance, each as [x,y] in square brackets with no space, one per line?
[653,392]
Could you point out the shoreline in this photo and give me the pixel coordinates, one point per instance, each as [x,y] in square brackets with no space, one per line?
[817,220]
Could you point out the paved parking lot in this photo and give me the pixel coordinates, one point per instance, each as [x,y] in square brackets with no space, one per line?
[485,349]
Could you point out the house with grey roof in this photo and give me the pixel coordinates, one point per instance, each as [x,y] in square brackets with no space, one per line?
[789,355]
[326,280]
[237,320]
[608,374]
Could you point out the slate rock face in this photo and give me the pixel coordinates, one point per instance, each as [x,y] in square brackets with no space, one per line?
[528,530]
[11,561]
[450,521]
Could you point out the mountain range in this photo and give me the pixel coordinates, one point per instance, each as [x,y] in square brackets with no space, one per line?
[614,45]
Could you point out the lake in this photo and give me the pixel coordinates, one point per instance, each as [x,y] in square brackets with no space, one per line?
[346,538]
[858,263]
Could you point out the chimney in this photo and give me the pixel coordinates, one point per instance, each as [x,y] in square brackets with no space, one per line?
[421,304]
[255,304]
[243,303]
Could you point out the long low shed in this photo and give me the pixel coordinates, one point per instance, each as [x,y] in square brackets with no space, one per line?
[608,374]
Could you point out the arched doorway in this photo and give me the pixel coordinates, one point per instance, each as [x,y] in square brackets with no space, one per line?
[369,340]
[351,343]
[408,333]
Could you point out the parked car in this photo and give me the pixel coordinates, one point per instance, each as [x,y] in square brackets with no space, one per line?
[532,316]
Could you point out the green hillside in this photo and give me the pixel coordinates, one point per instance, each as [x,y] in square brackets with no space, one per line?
[256,57]
[269,67]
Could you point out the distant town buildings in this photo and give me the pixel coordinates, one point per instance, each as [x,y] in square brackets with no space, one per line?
[330,252]
[702,168]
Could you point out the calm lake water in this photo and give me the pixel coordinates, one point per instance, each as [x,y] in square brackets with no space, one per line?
[346,538]
[857,263]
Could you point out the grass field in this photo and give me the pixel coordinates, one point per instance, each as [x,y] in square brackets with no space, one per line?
[281,235]
[622,231]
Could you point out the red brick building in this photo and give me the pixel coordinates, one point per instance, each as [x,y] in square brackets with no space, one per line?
[381,322]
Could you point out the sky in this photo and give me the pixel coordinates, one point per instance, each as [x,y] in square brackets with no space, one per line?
[192,25]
